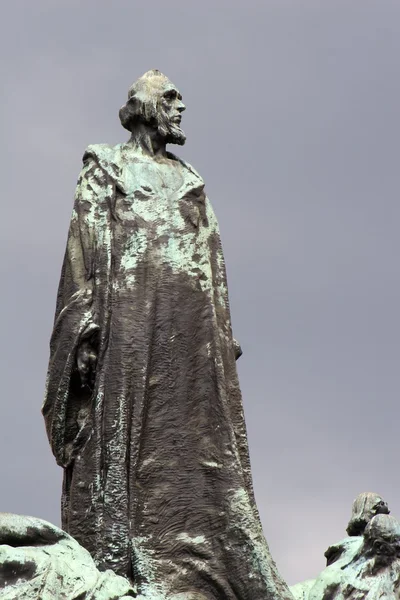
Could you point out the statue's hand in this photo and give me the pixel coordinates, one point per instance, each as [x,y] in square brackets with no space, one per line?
[86,360]
[237,349]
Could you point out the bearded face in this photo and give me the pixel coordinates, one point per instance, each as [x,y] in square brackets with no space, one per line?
[169,116]
[155,101]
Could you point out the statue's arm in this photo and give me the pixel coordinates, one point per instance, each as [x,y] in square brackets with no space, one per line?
[85,223]
[72,345]
[77,271]
[237,349]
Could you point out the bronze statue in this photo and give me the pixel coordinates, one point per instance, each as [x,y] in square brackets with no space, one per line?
[143,407]
[365,565]
[365,507]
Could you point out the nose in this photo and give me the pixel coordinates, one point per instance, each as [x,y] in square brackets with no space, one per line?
[181,107]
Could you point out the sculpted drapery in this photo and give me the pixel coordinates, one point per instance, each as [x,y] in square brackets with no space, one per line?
[157,481]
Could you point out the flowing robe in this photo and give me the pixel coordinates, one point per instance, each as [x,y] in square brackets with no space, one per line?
[157,481]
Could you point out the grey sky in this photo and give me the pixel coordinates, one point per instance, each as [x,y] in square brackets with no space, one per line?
[293,121]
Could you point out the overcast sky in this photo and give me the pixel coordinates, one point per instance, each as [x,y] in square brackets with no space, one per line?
[293,120]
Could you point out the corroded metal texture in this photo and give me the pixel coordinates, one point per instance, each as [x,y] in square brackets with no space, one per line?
[365,565]
[157,481]
[38,561]
[365,506]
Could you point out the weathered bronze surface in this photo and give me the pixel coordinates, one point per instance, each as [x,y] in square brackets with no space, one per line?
[365,565]
[143,407]
[38,561]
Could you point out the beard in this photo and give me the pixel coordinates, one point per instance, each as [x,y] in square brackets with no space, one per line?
[169,130]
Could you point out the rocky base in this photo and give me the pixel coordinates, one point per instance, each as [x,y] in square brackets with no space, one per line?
[38,561]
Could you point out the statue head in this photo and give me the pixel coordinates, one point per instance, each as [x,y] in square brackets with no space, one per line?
[153,100]
[382,540]
[365,507]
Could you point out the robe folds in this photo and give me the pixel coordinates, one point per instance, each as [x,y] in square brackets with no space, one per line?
[157,482]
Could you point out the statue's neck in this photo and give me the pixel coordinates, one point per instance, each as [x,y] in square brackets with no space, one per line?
[148,141]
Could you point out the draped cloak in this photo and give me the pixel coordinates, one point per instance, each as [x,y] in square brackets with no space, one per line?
[157,482]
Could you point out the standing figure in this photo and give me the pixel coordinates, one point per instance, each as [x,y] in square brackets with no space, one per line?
[143,407]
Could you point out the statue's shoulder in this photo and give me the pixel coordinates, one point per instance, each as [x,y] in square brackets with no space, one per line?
[186,165]
[109,159]
[345,549]
[197,182]
[99,166]
[103,154]
[122,166]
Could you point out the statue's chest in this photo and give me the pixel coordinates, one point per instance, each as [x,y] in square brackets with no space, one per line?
[155,197]
[149,189]
[160,219]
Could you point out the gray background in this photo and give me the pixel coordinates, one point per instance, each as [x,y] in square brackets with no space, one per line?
[293,121]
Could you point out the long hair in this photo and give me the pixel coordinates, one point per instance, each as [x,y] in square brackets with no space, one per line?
[141,106]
